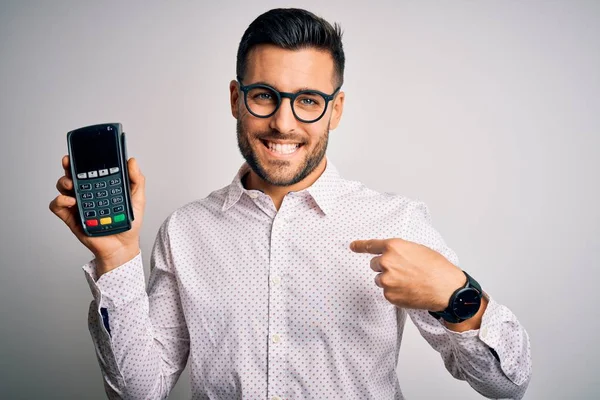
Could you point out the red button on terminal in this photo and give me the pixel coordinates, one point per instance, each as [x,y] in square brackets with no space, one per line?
[91,222]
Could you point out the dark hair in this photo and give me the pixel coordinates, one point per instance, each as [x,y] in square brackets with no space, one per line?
[293,29]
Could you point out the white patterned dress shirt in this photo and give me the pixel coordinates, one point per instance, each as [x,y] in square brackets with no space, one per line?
[267,304]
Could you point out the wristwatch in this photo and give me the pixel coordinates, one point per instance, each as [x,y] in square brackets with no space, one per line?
[464,303]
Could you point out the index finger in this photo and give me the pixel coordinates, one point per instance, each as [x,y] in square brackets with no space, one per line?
[372,246]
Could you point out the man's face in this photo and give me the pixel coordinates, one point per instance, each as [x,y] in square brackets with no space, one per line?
[286,71]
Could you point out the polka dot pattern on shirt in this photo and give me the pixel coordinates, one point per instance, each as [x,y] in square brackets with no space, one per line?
[268,304]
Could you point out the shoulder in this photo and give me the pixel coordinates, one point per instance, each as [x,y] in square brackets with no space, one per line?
[188,215]
[358,194]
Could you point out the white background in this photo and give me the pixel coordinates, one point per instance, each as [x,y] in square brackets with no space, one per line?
[486,110]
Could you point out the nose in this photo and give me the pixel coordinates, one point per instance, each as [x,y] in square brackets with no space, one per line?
[283,120]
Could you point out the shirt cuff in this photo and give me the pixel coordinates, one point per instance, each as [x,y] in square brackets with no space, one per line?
[498,326]
[119,286]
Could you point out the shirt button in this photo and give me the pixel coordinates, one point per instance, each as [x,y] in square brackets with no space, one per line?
[276,338]
[275,398]
[276,280]
[253,194]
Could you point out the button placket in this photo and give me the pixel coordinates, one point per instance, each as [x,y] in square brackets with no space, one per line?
[277,362]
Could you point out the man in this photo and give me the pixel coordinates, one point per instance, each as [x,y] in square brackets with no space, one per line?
[264,286]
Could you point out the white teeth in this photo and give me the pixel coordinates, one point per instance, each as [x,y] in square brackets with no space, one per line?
[282,148]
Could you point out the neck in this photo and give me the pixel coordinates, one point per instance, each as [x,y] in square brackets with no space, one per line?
[251,181]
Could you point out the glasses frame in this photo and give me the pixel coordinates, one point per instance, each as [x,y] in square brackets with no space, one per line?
[288,95]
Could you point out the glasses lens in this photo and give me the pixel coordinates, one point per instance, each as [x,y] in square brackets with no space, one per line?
[309,106]
[262,101]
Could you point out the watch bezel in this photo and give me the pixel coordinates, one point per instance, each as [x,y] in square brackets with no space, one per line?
[449,314]
[458,299]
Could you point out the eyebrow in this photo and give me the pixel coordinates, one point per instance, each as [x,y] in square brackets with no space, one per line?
[275,87]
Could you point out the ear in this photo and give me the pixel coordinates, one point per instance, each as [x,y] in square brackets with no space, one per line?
[234,97]
[338,109]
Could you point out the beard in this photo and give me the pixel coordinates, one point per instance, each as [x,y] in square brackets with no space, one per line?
[279,175]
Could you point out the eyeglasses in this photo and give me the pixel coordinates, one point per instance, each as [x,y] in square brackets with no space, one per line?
[263,101]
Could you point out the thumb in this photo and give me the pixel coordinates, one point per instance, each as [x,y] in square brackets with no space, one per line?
[135,175]
[138,185]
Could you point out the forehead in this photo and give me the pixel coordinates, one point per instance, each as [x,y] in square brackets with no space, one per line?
[290,70]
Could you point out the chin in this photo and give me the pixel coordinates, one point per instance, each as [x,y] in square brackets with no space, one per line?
[275,176]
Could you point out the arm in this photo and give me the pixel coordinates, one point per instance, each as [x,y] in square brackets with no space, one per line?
[148,344]
[491,351]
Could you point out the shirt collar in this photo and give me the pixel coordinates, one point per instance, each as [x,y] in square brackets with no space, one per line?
[323,190]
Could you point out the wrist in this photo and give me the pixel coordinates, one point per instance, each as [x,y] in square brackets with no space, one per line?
[473,323]
[108,262]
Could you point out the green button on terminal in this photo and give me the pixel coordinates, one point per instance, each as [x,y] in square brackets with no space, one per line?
[119,217]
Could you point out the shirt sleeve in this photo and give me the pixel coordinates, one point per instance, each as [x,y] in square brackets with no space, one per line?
[494,359]
[140,336]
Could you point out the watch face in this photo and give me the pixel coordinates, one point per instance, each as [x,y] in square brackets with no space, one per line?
[466,303]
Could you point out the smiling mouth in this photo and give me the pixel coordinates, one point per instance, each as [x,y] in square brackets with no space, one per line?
[283,149]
